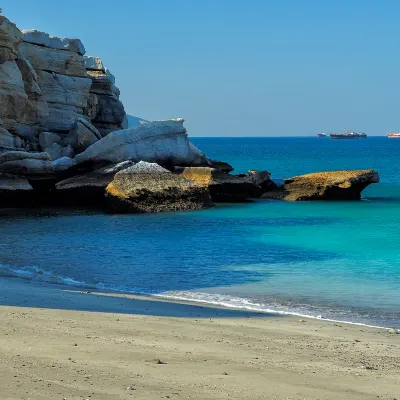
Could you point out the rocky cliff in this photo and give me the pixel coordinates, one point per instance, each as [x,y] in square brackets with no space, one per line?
[64,140]
[49,86]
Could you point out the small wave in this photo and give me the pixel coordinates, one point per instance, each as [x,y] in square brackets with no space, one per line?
[245,304]
[220,300]
[37,274]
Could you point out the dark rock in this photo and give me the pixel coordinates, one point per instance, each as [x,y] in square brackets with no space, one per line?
[228,188]
[88,188]
[221,166]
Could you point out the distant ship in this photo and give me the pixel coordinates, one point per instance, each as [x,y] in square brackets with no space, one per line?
[321,134]
[348,135]
[393,135]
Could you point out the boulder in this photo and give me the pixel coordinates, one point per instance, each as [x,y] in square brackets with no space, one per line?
[53,60]
[164,142]
[46,139]
[34,36]
[26,164]
[82,135]
[10,37]
[68,151]
[147,187]
[88,188]
[227,188]
[54,151]
[62,164]
[336,185]
[8,141]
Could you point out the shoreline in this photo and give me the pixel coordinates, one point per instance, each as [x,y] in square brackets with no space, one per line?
[65,343]
[68,284]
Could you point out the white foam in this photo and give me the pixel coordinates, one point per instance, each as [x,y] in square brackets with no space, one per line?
[227,301]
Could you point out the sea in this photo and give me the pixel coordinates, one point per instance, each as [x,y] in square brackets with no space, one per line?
[327,260]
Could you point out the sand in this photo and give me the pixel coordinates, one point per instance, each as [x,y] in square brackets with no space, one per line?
[66,344]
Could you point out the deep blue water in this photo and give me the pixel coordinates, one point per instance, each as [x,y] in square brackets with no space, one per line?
[340,260]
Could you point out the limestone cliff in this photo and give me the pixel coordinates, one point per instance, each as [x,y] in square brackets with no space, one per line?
[48,85]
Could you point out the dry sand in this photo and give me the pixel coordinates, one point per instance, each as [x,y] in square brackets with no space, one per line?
[58,344]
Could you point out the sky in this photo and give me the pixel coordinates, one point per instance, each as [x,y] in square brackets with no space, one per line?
[240,67]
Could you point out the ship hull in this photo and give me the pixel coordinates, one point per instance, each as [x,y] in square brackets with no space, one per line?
[393,136]
[348,137]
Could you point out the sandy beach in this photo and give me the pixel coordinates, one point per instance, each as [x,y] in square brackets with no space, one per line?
[57,343]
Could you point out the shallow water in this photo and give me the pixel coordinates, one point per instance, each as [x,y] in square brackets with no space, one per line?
[339,260]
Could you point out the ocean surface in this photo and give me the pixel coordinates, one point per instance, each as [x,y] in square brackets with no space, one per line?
[333,260]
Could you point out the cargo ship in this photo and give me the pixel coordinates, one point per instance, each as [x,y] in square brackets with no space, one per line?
[348,135]
[393,135]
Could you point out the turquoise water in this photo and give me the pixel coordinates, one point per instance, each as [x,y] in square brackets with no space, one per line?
[337,260]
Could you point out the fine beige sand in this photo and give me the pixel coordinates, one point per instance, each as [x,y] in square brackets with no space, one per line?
[59,344]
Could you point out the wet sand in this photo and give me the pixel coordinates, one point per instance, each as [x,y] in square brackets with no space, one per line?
[66,344]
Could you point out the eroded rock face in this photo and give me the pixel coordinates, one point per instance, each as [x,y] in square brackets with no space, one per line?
[8,141]
[147,187]
[34,36]
[104,107]
[53,60]
[10,37]
[26,164]
[164,142]
[228,188]
[337,185]
[66,96]
[48,85]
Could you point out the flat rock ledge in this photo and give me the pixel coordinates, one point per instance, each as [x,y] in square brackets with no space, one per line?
[224,187]
[337,185]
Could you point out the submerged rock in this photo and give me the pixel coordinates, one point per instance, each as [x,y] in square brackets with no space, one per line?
[228,188]
[147,187]
[337,185]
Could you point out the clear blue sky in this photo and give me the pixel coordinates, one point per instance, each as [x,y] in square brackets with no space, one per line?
[241,68]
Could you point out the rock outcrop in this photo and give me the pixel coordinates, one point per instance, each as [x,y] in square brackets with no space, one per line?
[10,38]
[228,188]
[164,142]
[47,85]
[104,107]
[87,188]
[26,164]
[337,185]
[147,187]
